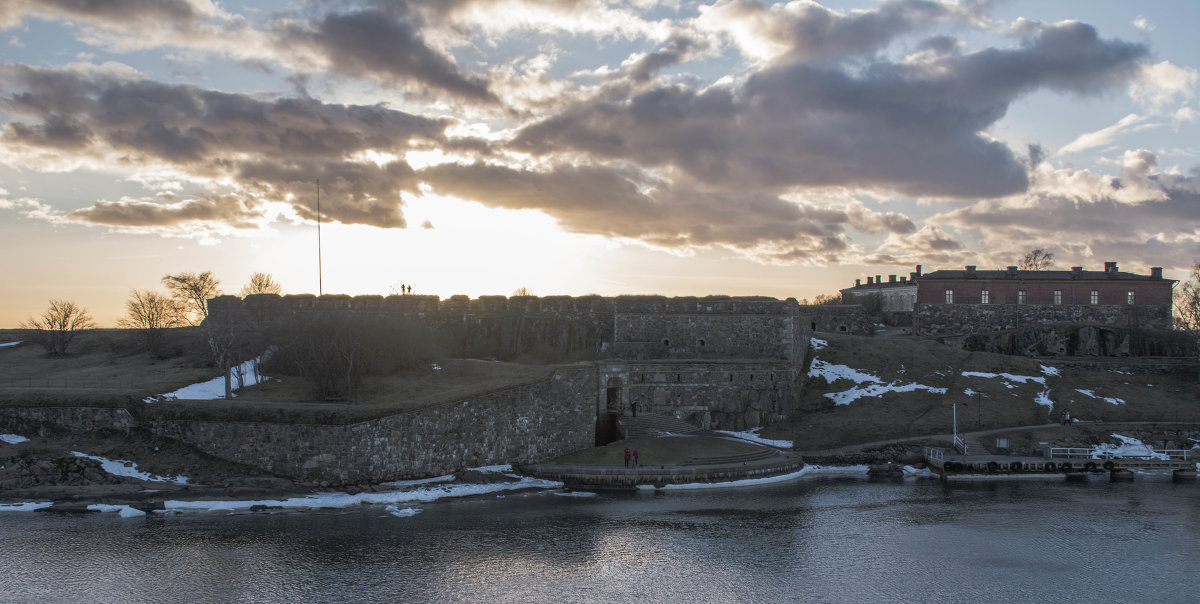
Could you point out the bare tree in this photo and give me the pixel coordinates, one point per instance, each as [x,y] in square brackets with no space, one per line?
[522,291]
[57,325]
[1187,303]
[261,283]
[193,292]
[152,313]
[1037,259]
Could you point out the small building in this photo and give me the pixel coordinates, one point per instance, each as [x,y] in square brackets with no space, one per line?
[957,302]
[894,295]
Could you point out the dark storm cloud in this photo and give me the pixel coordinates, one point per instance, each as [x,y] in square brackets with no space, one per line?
[268,147]
[675,51]
[383,43]
[625,204]
[908,128]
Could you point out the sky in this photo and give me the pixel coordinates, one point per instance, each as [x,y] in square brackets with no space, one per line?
[729,147]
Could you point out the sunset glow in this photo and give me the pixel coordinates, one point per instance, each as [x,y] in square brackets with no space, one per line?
[740,147]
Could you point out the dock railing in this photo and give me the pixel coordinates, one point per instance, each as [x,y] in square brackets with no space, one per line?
[960,444]
[1086,453]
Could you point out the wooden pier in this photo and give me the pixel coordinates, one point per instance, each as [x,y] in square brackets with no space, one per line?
[949,464]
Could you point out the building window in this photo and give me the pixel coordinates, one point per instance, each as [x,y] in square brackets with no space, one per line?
[1129,298]
[985,297]
[1095,297]
[1058,296]
[949,296]
[1022,297]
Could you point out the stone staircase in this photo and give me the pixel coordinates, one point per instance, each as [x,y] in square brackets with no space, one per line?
[650,424]
[974,446]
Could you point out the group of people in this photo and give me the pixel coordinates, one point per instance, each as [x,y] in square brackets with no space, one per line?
[631,457]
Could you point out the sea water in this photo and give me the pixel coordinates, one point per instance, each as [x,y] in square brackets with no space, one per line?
[820,539]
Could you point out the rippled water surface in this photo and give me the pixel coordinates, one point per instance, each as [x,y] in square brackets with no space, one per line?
[815,539]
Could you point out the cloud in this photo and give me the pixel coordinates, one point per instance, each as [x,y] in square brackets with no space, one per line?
[383,44]
[913,129]
[270,149]
[1142,217]
[120,12]
[1130,123]
[632,205]
[1160,84]
[808,31]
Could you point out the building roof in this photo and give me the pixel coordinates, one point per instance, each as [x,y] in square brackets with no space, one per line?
[1041,275]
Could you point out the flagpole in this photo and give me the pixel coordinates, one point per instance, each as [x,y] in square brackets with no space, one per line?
[320,272]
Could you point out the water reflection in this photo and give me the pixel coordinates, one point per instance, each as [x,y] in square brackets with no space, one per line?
[825,539]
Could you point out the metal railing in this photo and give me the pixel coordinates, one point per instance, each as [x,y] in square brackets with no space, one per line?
[960,444]
[1086,453]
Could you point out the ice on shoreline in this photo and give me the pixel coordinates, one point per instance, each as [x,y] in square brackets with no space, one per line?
[29,506]
[13,439]
[121,467]
[123,510]
[752,436]
[400,512]
[745,482]
[344,500]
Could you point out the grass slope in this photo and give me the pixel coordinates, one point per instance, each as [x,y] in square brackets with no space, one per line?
[983,403]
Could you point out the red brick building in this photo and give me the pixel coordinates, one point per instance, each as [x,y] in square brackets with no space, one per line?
[971,300]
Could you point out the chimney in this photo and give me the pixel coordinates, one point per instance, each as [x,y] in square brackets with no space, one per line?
[1156,272]
[1076,272]
[870,280]
[1012,271]
[903,279]
[970,271]
[878,279]
[857,282]
[913,276]
[1110,268]
[891,278]
[918,273]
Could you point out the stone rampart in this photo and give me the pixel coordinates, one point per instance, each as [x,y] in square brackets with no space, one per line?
[839,318]
[712,395]
[961,319]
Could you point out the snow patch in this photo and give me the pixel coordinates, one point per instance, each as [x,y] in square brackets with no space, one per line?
[818,343]
[575,494]
[833,373]
[13,439]
[1112,400]
[215,388]
[752,436]
[1051,371]
[124,510]
[10,344]
[121,467]
[436,367]
[1129,447]
[32,505]
[912,472]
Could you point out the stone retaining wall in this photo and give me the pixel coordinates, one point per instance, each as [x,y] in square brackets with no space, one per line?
[524,424]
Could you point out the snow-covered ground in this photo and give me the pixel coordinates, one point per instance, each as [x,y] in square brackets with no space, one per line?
[818,343]
[13,439]
[752,435]
[9,344]
[400,512]
[417,491]
[121,467]
[1011,379]
[1129,447]
[874,388]
[215,388]
[1107,399]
